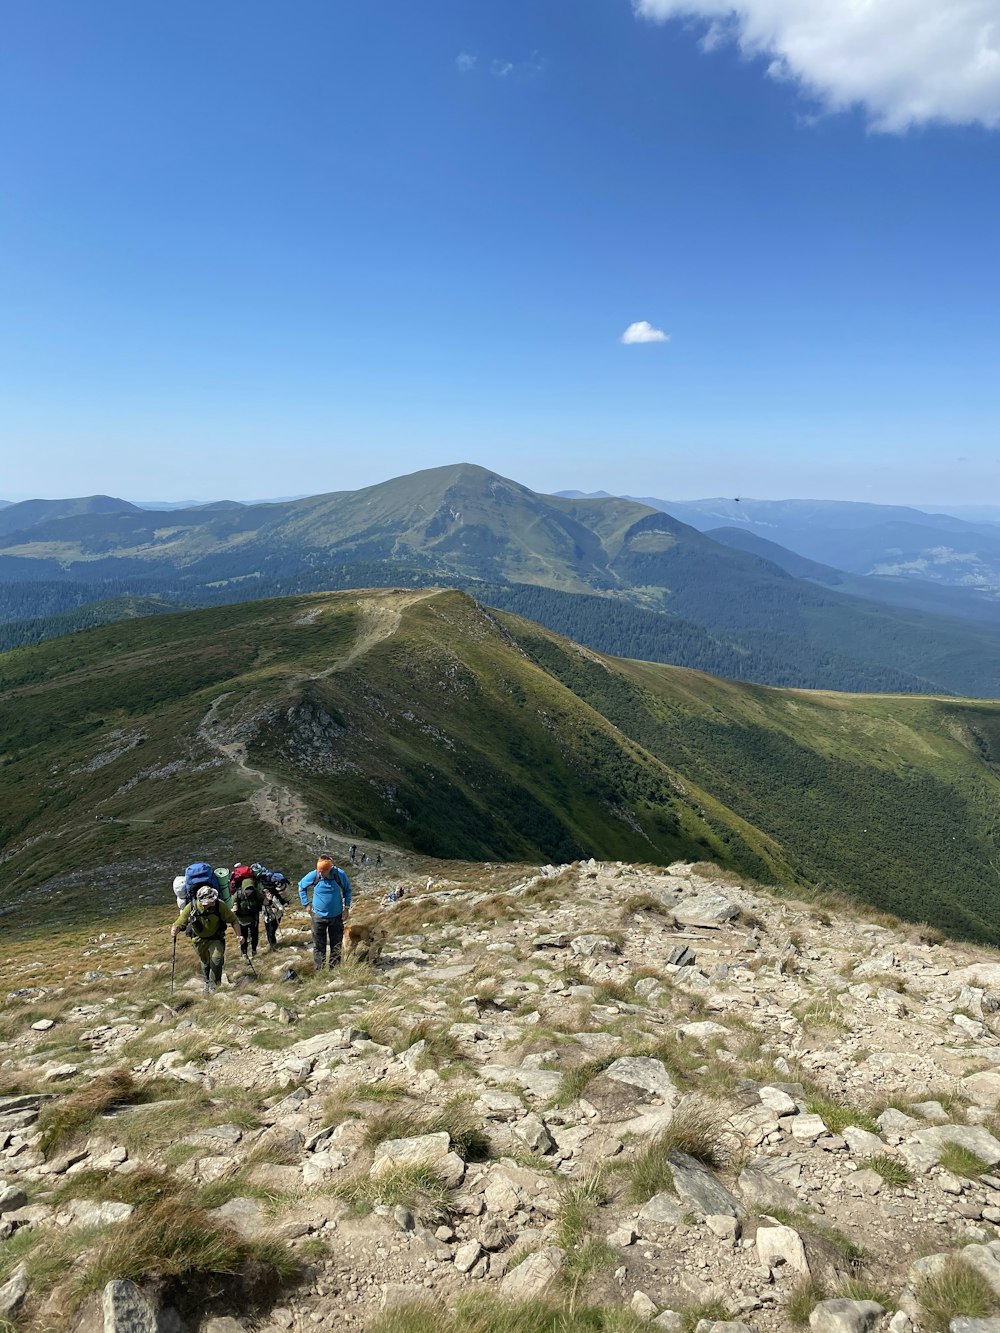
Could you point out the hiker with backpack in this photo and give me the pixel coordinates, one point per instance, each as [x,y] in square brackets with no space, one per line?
[330,907]
[247,901]
[273,886]
[205,919]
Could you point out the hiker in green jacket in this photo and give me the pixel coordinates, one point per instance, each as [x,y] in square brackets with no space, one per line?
[206,920]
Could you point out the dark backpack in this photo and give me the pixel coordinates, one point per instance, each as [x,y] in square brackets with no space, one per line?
[197,875]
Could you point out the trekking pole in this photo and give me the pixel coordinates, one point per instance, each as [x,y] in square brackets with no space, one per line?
[173,965]
[251,966]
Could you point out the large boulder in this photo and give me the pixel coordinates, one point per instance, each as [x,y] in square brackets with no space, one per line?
[844,1316]
[782,1246]
[420,1150]
[975,1138]
[701,1189]
[706,909]
[648,1076]
[533,1276]
[126,1309]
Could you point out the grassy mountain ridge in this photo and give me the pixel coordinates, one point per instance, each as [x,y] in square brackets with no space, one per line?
[420,719]
[31,513]
[463,524]
[890,798]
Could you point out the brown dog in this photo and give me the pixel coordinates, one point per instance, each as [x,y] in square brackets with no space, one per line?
[363,940]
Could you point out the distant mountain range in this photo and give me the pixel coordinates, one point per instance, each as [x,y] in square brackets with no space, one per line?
[619,575]
[888,541]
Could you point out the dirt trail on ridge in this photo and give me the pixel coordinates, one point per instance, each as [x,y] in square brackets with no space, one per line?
[274,803]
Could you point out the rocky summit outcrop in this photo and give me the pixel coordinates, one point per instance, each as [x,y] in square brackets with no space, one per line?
[651,1089]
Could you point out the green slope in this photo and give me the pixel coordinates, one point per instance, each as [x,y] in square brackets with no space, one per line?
[424,720]
[890,798]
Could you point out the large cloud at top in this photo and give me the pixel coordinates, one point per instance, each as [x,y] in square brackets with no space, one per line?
[906,62]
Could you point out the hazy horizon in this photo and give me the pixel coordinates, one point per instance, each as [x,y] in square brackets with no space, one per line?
[958,508]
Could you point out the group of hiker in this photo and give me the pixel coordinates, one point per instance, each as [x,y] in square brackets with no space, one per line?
[213,898]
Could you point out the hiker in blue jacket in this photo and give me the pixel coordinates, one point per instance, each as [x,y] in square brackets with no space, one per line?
[331,903]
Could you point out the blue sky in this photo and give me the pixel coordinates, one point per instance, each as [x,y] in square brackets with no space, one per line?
[251,249]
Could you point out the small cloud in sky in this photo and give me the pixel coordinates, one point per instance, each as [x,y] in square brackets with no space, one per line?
[643,332]
[530,68]
[905,62]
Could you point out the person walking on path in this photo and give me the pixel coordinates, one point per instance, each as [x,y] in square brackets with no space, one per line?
[208,916]
[248,900]
[330,907]
[274,886]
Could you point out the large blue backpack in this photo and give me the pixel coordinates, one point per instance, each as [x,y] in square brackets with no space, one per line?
[197,875]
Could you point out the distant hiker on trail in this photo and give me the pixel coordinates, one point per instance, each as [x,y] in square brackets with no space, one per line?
[365,859]
[205,919]
[353,852]
[393,896]
[378,859]
[248,900]
[331,902]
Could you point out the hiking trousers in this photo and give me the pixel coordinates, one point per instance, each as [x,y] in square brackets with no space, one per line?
[327,930]
[250,927]
[212,954]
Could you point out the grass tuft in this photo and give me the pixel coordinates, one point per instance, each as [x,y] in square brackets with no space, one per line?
[172,1239]
[962,1161]
[956,1290]
[488,1314]
[418,1188]
[838,1115]
[456,1119]
[803,1299]
[891,1169]
[692,1315]
[694,1130]
[68,1118]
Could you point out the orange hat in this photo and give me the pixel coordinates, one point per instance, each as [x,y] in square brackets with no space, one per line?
[324,865]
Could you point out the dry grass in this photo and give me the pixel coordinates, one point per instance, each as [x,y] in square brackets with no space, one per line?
[172,1239]
[418,1188]
[961,1161]
[456,1119]
[694,1130]
[956,1290]
[68,1118]
[488,1314]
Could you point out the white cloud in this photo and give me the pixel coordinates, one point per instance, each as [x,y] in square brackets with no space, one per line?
[643,332]
[501,68]
[906,62]
[466,62]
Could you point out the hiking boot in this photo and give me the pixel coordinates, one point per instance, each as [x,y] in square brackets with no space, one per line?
[208,988]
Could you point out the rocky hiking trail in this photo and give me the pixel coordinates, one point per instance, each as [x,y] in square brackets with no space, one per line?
[628,1097]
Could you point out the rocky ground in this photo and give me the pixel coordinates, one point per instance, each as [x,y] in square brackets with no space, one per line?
[600,1085]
